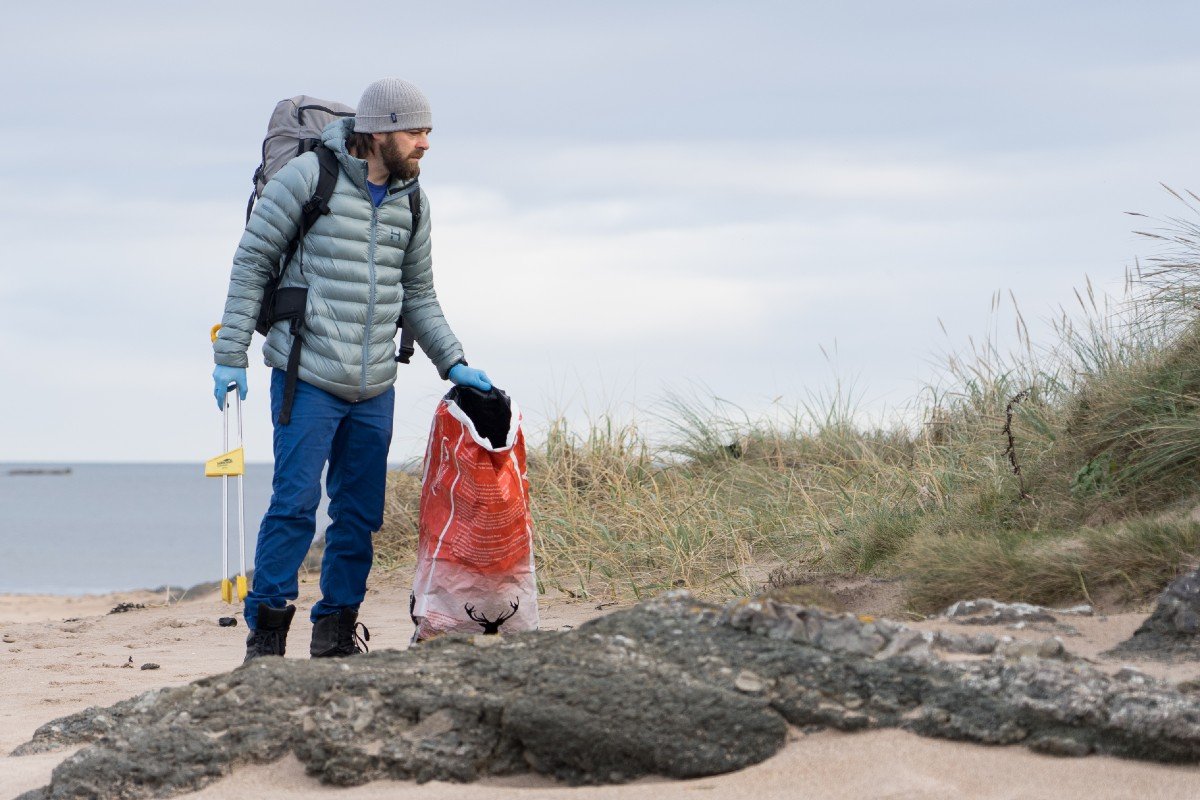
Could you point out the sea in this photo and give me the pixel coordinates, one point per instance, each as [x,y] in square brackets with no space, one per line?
[76,529]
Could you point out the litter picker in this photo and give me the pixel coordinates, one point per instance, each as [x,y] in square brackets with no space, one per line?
[229,464]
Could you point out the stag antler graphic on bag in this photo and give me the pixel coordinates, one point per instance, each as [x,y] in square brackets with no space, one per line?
[490,625]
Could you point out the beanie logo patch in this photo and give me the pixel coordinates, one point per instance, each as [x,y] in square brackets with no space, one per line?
[394,117]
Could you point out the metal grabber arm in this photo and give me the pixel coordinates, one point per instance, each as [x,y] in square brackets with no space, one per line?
[231,463]
[241,500]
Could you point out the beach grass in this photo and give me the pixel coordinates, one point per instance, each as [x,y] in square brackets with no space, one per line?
[1056,471]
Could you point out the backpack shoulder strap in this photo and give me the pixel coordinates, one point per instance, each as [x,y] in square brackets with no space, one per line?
[414,206]
[317,205]
[327,176]
[290,303]
[406,335]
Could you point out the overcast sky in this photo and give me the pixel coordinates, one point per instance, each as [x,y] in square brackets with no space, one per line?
[626,197]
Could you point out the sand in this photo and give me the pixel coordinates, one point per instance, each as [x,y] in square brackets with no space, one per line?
[69,653]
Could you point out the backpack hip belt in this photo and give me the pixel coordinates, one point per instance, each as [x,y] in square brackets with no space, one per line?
[289,304]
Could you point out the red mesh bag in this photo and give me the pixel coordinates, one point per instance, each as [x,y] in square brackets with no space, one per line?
[475,549]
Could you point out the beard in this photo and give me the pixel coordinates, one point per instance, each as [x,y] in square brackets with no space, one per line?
[400,164]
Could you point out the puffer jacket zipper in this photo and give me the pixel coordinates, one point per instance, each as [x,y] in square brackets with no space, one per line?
[362,389]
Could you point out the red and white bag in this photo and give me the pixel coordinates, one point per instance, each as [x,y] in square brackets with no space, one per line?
[475,548]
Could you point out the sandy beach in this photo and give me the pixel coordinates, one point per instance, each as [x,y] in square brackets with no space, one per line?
[60,655]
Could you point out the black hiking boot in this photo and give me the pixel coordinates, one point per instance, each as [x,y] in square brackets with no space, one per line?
[335,635]
[269,637]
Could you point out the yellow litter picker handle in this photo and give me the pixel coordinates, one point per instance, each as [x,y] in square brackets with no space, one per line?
[212,335]
[237,588]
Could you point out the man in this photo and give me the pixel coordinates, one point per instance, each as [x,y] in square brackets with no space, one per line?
[364,266]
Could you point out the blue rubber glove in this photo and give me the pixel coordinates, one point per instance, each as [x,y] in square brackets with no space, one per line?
[462,375]
[222,377]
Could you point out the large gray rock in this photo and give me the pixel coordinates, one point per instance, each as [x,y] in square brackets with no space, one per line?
[1173,630]
[674,687]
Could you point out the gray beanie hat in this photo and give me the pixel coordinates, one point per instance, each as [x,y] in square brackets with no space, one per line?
[392,104]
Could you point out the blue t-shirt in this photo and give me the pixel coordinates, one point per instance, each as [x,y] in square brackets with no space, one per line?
[377,193]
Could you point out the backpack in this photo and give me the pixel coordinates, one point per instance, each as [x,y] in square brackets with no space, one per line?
[294,129]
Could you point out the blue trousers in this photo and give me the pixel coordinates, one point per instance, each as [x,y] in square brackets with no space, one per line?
[354,439]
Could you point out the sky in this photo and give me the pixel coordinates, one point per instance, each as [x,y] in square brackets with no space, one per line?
[748,200]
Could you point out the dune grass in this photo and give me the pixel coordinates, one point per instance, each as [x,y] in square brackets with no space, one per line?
[1062,471]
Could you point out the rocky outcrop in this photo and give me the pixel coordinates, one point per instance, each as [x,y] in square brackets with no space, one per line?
[673,687]
[1173,630]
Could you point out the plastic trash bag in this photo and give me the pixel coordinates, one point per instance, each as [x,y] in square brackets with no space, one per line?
[475,568]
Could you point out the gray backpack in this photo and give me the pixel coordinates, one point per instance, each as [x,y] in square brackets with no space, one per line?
[294,129]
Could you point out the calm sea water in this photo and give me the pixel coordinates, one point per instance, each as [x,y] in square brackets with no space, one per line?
[109,527]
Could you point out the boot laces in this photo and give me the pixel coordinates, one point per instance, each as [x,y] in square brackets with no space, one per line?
[268,642]
[350,642]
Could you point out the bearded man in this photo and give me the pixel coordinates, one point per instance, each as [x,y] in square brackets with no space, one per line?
[364,265]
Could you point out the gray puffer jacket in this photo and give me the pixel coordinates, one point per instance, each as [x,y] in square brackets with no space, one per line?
[363,267]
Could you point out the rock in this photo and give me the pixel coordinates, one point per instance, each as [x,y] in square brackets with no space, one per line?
[1132,675]
[1051,648]
[8,637]
[983,644]
[748,682]
[908,643]
[1053,745]
[852,701]
[1082,610]
[992,612]
[673,687]
[1171,630]
[121,608]
[150,665]
[1018,648]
